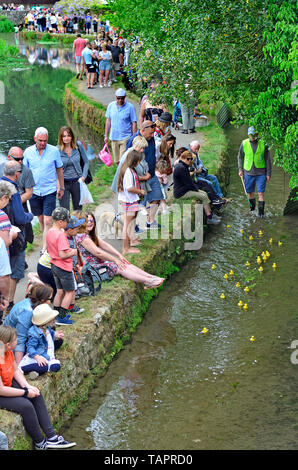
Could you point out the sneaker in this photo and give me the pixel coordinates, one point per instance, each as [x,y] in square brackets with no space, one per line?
[214,221]
[219,202]
[100,86]
[138,229]
[41,445]
[33,375]
[64,321]
[76,309]
[59,443]
[109,83]
[153,225]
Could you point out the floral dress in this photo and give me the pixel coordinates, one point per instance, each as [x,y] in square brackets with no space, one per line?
[93,260]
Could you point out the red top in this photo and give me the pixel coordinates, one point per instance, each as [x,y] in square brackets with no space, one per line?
[7,368]
[57,241]
[79,45]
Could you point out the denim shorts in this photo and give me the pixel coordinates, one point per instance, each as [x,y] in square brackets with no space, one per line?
[156,193]
[43,205]
[17,264]
[105,65]
[251,181]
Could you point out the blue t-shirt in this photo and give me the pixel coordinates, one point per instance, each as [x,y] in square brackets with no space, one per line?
[121,118]
[87,54]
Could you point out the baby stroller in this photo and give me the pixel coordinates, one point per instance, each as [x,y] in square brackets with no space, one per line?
[177,115]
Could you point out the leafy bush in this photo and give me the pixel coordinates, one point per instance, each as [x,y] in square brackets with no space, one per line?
[6,26]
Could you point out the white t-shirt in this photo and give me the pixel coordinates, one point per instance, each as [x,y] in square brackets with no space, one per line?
[4,260]
[128,182]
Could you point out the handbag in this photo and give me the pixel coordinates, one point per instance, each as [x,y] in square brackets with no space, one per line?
[105,156]
[89,177]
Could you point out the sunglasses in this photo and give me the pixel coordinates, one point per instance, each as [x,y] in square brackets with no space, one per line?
[20,159]
[151,125]
[189,159]
[120,97]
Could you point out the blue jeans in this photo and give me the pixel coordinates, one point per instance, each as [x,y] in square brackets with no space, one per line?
[212,179]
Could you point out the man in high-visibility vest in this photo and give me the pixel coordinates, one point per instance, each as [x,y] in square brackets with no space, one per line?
[255,165]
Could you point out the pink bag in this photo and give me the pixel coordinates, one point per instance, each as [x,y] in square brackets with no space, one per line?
[105,156]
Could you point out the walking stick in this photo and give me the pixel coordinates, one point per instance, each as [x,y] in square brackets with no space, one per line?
[245,191]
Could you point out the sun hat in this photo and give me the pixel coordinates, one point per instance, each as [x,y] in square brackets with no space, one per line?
[43,314]
[165,117]
[251,131]
[60,213]
[120,92]
[74,222]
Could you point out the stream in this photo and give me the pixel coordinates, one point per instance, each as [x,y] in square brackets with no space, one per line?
[173,387]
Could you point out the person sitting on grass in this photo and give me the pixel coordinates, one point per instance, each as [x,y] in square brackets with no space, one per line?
[17,395]
[100,254]
[40,356]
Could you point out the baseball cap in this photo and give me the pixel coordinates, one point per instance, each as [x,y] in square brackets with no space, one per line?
[251,131]
[74,222]
[60,213]
[120,92]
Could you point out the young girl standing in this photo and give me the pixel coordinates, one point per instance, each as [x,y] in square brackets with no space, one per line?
[129,193]
[17,395]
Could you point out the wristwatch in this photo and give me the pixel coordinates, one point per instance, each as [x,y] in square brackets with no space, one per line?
[26,392]
[62,189]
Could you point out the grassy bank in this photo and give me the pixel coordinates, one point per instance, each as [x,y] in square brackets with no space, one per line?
[9,57]
[52,38]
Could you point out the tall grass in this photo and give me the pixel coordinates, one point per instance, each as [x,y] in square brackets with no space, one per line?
[6,26]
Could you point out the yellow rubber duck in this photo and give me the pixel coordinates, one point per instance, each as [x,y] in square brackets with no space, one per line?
[270,241]
[241,230]
[260,233]
[247,263]
[240,303]
[279,243]
[228,226]
[238,284]
[213,267]
[204,331]
[245,306]
[246,289]
[259,261]
[260,269]
[268,253]
[226,276]
[274,266]
[252,339]
[251,237]
[232,272]
[222,296]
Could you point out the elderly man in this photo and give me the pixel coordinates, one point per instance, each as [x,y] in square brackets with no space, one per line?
[121,123]
[155,195]
[201,173]
[255,164]
[25,184]
[45,162]
[19,218]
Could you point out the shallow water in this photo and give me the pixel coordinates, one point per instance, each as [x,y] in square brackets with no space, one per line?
[173,387]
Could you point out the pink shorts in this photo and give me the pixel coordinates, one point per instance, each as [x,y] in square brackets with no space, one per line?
[130,206]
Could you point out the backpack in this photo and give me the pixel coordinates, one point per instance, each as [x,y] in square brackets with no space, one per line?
[19,243]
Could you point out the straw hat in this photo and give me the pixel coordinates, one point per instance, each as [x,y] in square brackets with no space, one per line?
[43,314]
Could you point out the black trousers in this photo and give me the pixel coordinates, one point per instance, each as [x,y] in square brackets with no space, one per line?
[72,188]
[203,186]
[34,413]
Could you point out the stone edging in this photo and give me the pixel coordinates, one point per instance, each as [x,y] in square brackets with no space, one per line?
[111,317]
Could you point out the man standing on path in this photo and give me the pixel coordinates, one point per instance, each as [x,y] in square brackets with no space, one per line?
[117,59]
[45,162]
[88,56]
[77,49]
[121,123]
[255,164]
[25,184]
[19,218]
[155,195]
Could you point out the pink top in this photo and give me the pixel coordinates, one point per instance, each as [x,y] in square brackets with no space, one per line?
[79,45]
[57,241]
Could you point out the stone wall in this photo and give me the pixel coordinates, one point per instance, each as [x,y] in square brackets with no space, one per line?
[16,17]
